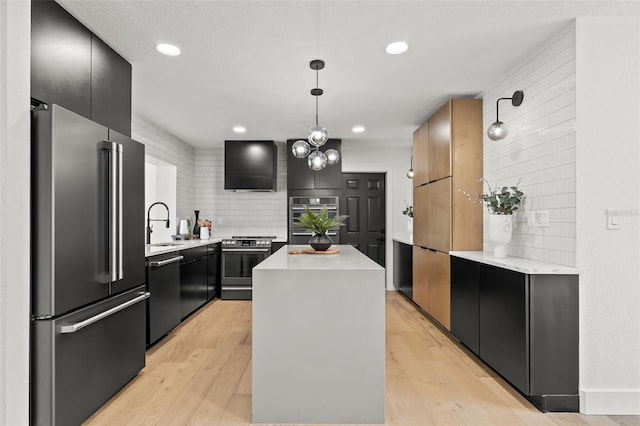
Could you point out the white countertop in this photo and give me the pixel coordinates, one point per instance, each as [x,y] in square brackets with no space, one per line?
[171,246]
[348,258]
[405,239]
[517,264]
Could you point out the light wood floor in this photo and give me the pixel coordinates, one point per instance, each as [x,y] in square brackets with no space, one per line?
[201,375]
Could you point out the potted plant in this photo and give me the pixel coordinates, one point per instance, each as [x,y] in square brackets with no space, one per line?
[319,224]
[501,202]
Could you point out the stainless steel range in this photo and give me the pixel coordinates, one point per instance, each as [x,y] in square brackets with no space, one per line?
[239,255]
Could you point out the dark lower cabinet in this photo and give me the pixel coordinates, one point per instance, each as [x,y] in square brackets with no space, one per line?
[163,306]
[465,306]
[403,268]
[524,326]
[193,280]
[504,343]
[213,271]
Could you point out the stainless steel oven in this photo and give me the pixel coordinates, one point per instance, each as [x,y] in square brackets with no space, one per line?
[297,206]
[239,256]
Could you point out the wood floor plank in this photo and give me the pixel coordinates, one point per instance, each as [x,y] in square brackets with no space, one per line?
[200,374]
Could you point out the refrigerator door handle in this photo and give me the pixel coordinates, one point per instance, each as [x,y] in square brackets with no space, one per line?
[115,210]
[72,328]
[119,259]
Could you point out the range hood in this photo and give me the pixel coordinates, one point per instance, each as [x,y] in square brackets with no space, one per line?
[250,165]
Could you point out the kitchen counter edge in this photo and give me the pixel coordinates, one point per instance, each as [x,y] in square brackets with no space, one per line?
[151,250]
[518,264]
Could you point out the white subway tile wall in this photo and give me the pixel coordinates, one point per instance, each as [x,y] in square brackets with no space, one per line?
[169,148]
[540,149]
[239,213]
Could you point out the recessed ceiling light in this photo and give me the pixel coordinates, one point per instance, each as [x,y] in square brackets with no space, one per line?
[397,48]
[239,129]
[358,129]
[168,49]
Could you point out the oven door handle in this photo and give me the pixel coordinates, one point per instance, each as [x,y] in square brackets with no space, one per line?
[245,250]
[306,234]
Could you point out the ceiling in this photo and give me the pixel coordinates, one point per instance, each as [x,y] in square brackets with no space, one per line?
[247,62]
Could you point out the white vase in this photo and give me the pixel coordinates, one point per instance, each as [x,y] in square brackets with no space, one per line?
[500,229]
[410,225]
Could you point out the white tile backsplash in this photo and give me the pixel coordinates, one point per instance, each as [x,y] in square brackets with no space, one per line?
[540,149]
[239,213]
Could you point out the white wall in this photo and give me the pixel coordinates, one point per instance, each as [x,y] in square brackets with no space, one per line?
[240,213]
[540,149]
[174,151]
[15,41]
[394,161]
[160,185]
[574,142]
[608,176]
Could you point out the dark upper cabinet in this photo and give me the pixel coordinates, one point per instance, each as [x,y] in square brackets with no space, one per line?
[300,176]
[72,67]
[110,87]
[60,58]
[250,165]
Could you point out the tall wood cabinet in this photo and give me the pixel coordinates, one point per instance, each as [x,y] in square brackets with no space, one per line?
[447,159]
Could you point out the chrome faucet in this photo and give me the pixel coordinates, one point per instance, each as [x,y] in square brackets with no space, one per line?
[149,229]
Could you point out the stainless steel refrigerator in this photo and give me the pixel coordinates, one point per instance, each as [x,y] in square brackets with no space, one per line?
[88,267]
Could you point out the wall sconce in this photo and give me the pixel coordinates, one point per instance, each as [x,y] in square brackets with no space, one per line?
[498,130]
[410,171]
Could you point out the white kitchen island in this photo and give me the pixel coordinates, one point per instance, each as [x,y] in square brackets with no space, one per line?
[318,338]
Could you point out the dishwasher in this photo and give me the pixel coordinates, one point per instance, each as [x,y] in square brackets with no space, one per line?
[163,306]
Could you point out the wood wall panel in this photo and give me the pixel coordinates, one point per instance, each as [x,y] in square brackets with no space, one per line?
[420,155]
[439,289]
[439,215]
[439,144]
[421,277]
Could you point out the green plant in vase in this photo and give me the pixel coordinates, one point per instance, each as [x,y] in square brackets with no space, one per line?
[318,224]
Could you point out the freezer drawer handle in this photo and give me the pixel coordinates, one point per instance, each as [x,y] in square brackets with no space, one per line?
[158,263]
[72,328]
[244,250]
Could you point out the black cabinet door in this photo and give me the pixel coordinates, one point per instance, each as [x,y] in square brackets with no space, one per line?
[193,280]
[110,87]
[504,337]
[300,176]
[403,268]
[213,271]
[331,176]
[133,212]
[60,58]
[163,306]
[465,302]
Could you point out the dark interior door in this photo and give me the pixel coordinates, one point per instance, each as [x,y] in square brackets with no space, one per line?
[363,198]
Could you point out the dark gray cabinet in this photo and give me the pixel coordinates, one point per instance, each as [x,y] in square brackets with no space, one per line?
[403,268]
[524,326]
[213,271]
[465,302]
[163,305]
[60,58]
[300,176]
[110,87]
[193,280]
[72,67]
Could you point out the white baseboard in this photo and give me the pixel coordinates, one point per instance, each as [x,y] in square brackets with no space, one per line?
[610,402]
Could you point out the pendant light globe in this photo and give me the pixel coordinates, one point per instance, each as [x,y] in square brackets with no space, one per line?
[317,160]
[333,156]
[317,135]
[497,131]
[300,149]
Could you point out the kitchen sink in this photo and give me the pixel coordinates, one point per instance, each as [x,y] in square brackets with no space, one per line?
[164,245]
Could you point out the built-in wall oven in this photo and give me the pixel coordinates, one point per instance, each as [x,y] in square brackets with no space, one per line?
[297,206]
[239,256]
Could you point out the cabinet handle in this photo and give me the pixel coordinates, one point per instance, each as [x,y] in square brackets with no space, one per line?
[158,263]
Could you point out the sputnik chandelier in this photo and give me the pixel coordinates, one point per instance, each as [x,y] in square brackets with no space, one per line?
[317,136]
